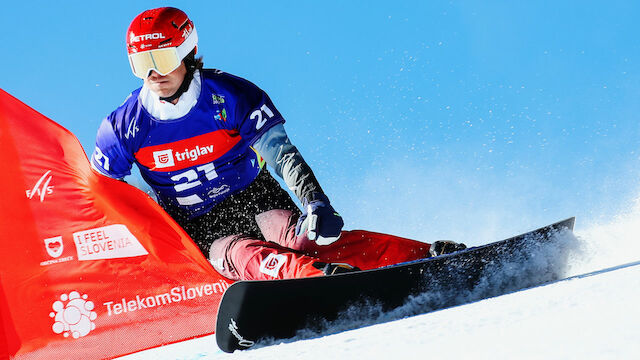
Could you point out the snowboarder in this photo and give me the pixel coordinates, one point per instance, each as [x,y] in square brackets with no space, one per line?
[201,138]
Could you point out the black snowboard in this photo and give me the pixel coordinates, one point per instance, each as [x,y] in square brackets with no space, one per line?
[255,310]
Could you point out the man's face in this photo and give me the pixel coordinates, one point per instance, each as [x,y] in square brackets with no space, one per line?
[165,86]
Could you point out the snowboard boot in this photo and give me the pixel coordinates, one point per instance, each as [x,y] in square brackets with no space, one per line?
[442,247]
[334,268]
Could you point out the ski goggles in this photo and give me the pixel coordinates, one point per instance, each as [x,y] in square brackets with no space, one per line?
[162,61]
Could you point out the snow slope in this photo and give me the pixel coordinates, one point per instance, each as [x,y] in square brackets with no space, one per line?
[592,314]
[578,318]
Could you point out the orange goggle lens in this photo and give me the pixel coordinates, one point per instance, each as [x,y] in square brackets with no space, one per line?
[163,61]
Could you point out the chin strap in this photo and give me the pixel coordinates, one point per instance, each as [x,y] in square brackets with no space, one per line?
[192,65]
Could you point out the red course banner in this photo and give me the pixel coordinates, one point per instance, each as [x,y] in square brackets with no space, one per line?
[90,267]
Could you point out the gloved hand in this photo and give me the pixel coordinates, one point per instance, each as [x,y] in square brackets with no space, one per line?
[442,247]
[320,220]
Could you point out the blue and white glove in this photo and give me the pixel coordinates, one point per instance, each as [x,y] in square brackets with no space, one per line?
[320,220]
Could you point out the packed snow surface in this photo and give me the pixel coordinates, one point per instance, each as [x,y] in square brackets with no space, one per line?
[590,314]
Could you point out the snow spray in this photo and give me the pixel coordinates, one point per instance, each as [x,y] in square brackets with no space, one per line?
[606,245]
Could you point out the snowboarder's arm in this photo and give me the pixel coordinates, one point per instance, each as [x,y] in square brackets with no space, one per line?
[280,154]
[262,126]
[319,219]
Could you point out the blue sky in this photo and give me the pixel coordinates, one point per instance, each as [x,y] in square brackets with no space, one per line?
[468,120]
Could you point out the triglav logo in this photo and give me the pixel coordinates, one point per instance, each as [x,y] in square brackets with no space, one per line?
[73,315]
[54,246]
[272,263]
[163,158]
[168,158]
[42,187]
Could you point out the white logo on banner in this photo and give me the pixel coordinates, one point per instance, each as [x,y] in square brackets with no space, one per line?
[73,315]
[54,246]
[163,158]
[108,242]
[272,263]
[42,187]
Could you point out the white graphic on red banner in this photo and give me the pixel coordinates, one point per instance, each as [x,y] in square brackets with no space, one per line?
[175,295]
[54,246]
[73,315]
[42,188]
[107,242]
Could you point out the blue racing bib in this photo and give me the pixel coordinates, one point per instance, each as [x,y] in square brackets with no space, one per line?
[196,161]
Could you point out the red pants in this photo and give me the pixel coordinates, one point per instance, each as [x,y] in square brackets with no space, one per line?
[285,256]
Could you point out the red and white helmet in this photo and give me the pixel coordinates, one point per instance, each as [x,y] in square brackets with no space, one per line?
[158,39]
